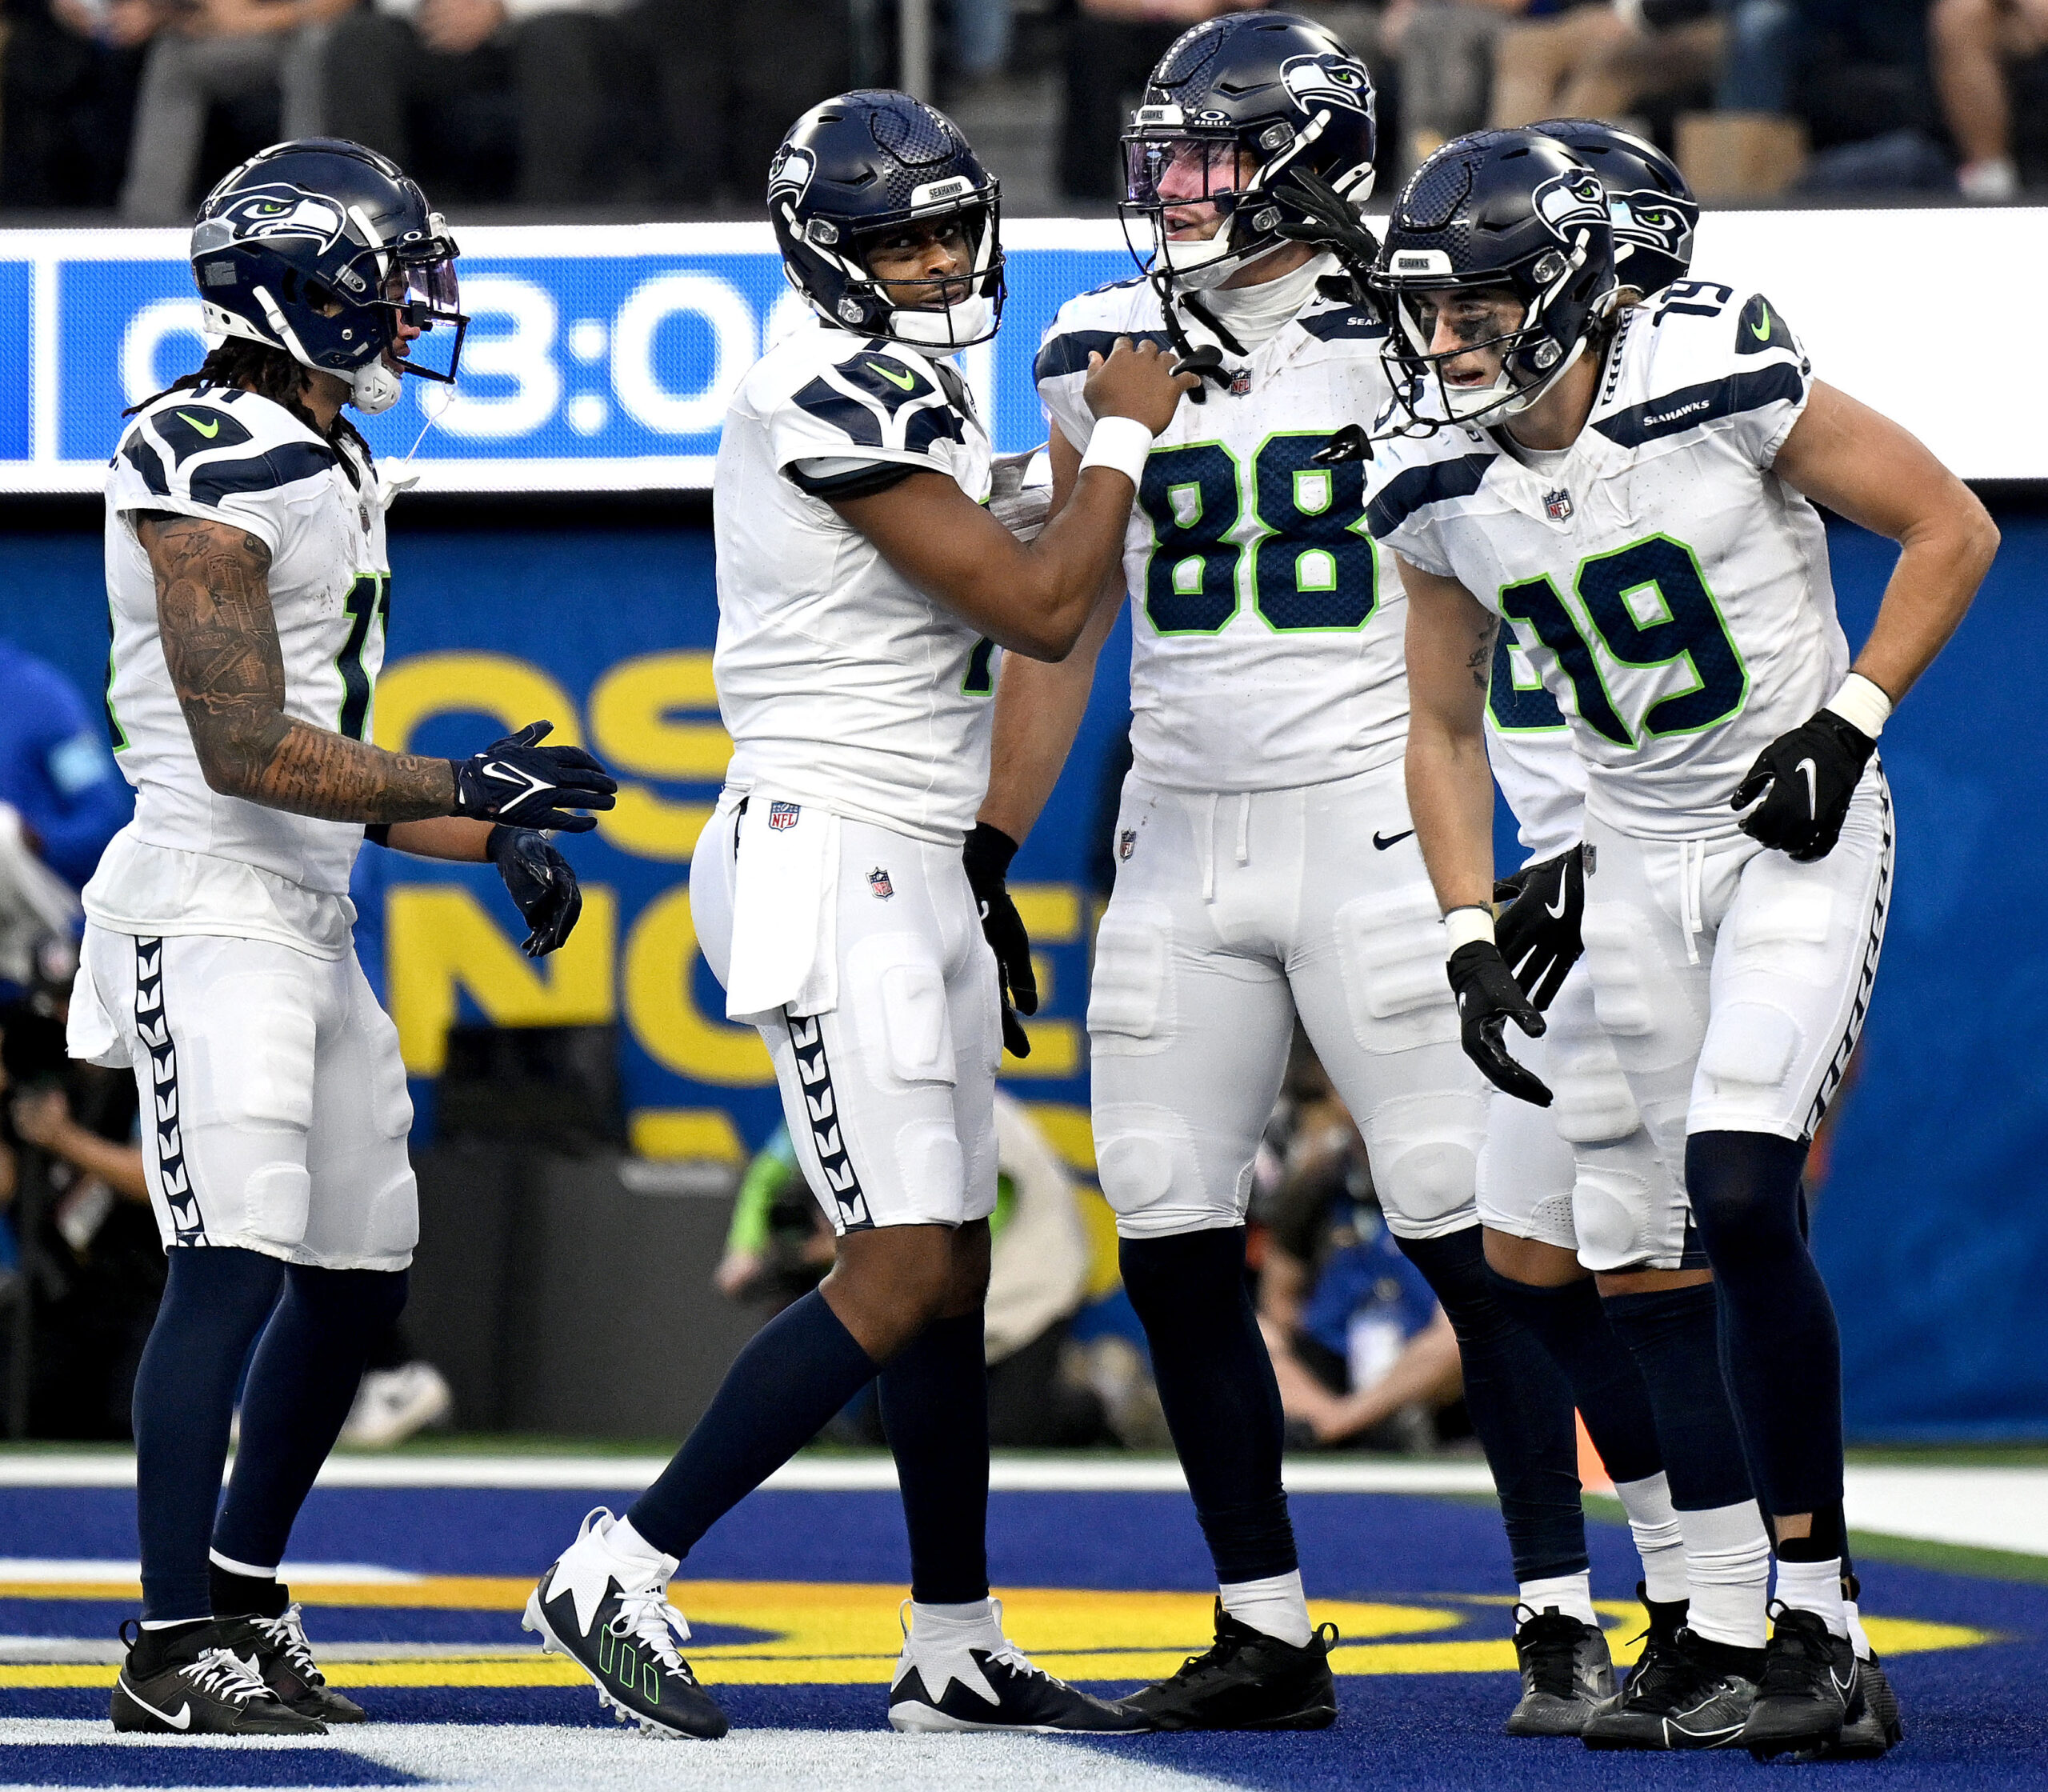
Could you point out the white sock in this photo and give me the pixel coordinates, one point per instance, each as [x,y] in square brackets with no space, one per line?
[1727,1574]
[1571,1594]
[1277,1605]
[1857,1640]
[228,1563]
[1658,1540]
[170,1623]
[635,1553]
[1815,1586]
[937,1623]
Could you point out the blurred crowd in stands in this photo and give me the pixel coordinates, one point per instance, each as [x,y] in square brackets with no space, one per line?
[671,108]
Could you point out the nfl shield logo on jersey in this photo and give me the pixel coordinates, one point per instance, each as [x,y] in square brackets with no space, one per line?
[878,880]
[1127,842]
[1240,382]
[782,815]
[1557,505]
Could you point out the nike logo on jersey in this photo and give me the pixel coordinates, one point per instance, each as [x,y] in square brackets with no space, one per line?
[182,1721]
[1384,841]
[903,382]
[1813,793]
[209,430]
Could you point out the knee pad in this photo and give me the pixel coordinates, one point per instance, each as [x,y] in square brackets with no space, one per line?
[1750,1045]
[1150,1172]
[1130,1005]
[394,1226]
[1425,1155]
[1593,1105]
[1390,951]
[898,999]
[1611,1212]
[277,1200]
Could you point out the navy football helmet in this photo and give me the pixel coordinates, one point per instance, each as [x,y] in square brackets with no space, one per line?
[1651,207]
[322,248]
[1500,209]
[1234,106]
[854,168]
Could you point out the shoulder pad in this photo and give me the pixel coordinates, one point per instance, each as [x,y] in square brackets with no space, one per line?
[1090,322]
[210,444]
[1700,356]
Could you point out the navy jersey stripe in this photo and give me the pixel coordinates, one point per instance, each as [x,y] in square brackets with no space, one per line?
[284,465]
[829,405]
[1692,406]
[1352,323]
[148,462]
[1410,491]
[1068,353]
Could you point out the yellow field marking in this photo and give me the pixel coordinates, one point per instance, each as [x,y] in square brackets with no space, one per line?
[812,1633]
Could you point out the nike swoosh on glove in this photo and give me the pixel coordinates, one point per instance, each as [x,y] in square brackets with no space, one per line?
[541,882]
[1488,997]
[1805,779]
[523,784]
[1538,932]
[986,856]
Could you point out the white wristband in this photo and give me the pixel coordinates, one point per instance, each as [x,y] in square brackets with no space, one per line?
[1862,703]
[1462,927]
[1121,442]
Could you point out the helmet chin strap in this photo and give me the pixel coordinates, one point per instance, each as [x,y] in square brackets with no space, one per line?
[957,327]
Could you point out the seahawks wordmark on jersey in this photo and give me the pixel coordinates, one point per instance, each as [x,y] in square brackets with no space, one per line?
[840,682]
[1672,595]
[194,861]
[1266,628]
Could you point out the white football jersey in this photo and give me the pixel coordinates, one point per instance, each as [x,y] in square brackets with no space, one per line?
[841,683]
[1671,592]
[194,861]
[1535,763]
[1266,627]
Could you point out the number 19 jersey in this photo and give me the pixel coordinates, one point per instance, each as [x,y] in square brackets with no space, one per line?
[194,861]
[1672,593]
[1267,629]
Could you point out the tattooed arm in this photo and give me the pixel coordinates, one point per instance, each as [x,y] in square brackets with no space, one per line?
[1451,789]
[220,641]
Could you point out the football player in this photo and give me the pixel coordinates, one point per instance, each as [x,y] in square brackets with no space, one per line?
[1631,487]
[863,592]
[249,586]
[1266,867]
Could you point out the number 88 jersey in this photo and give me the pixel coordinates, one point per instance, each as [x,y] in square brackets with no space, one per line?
[1266,627]
[1672,593]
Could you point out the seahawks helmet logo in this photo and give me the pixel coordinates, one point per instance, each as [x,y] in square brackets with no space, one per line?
[790,173]
[1648,217]
[267,212]
[1329,80]
[1568,201]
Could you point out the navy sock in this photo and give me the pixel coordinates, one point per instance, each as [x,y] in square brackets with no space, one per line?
[1521,1406]
[1780,1350]
[935,1414]
[795,1373]
[1606,1385]
[215,1300]
[1670,1332]
[301,1382]
[1216,1384]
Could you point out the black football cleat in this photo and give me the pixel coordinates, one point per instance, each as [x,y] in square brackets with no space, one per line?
[285,1660]
[1245,1680]
[622,1635]
[1874,1730]
[203,1682]
[1811,1688]
[985,1682]
[1687,1691]
[1565,1672]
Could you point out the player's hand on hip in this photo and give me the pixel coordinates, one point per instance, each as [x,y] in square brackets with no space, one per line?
[1538,933]
[986,856]
[518,782]
[541,882]
[1488,997]
[1136,380]
[1805,779]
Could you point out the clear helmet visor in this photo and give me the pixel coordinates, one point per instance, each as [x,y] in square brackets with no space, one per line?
[1181,190]
[1452,358]
[428,323]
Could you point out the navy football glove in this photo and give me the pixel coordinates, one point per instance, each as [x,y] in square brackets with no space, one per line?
[987,855]
[523,784]
[1805,779]
[542,882]
[1538,931]
[1488,997]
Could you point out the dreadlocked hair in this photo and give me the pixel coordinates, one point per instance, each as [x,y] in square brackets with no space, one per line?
[270,373]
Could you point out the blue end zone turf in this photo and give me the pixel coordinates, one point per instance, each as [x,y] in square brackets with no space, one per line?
[1974,1715]
[111,1764]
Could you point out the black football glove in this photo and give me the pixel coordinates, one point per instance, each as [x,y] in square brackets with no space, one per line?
[1330,222]
[987,855]
[1538,931]
[542,882]
[1487,997]
[1805,779]
[523,784]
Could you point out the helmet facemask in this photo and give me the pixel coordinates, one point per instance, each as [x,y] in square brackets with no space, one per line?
[945,313]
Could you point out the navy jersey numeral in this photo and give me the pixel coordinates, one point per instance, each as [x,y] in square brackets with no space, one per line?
[369,601]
